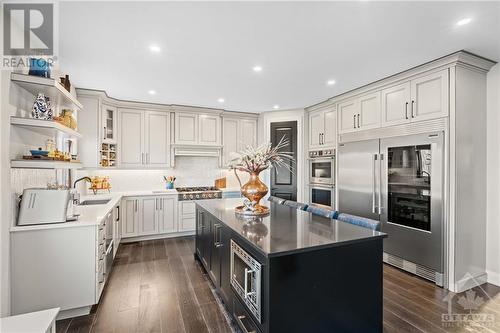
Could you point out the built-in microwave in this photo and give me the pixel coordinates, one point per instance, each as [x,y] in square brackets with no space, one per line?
[246,278]
[322,167]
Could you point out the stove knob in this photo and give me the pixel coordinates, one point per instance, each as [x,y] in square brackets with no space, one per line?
[203,195]
[197,196]
[184,197]
[191,197]
[209,195]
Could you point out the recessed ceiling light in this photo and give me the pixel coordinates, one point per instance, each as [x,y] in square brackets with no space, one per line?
[155,48]
[276,106]
[221,100]
[330,82]
[152,92]
[257,68]
[464,21]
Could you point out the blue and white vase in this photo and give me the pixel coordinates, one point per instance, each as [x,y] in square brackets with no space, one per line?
[41,108]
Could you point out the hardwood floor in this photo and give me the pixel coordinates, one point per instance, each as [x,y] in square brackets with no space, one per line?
[156,286]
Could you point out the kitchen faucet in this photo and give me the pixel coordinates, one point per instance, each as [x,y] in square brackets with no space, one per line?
[76,194]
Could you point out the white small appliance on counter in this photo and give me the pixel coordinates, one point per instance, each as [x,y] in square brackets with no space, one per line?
[43,206]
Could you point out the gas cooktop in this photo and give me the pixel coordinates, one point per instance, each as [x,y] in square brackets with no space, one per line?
[199,193]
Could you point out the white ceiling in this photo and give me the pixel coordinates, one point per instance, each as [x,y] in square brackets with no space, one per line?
[208,49]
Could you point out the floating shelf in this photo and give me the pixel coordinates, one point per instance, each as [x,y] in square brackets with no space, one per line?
[49,87]
[45,127]
[37,164]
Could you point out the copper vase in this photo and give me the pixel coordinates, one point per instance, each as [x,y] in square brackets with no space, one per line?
[254,189]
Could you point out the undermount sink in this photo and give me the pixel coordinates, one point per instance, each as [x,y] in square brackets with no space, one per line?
[94,202]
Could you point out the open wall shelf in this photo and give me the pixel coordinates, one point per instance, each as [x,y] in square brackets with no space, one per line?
[45,127]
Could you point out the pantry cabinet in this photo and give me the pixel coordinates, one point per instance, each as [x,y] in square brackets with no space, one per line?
[322,128]
[149,215]
[144,138]
[197,129]
[238,133]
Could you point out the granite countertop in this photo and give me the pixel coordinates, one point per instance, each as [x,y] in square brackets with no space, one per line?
[93,214]
[287,229]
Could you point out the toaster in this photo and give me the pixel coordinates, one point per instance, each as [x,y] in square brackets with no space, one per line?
[43,206]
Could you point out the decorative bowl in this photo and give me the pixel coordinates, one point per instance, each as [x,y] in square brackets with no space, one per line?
[39,152]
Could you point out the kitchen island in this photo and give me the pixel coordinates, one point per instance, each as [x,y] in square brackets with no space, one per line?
[291,271]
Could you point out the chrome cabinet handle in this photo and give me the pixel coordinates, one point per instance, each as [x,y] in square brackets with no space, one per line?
[239,319]
[358,119]
[374,183]
[246,292]
[354,121]
[217,242]
[380,185]
[413,109]
[406,110]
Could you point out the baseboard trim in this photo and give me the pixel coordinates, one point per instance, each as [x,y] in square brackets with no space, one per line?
[77,312]
[493,278]
[469,281]
[153,237]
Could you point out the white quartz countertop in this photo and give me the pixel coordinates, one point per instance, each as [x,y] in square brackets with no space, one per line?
[33,322]
[93,214]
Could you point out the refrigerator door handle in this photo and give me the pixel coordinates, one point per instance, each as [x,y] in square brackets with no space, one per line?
[381,161]
[374,174]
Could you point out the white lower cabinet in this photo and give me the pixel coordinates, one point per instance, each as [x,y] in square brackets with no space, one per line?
[187,216]
[149,215]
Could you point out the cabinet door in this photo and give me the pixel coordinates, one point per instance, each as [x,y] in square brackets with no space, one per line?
[225,265]
[168,207]
[215,255]
[157,139]
[316,127]
[230,139]
[199,234]
[395,105]
[209,130]
[429,96]
[347,116]
[186,128]
[130,214]
[149,216]
[330,131]
[369,111]
[131,138]
[205,240]
[108,123]
[247,133]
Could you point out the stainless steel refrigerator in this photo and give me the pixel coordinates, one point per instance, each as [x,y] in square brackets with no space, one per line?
[399,181]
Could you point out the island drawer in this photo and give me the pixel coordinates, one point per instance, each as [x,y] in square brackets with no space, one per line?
[243,317]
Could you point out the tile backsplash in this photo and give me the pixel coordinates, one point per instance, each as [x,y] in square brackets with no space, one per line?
[189,171]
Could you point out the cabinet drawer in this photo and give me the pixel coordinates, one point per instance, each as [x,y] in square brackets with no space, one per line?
[243,318]
[188,208]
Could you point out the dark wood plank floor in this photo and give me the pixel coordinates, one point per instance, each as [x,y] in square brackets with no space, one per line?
[156,286]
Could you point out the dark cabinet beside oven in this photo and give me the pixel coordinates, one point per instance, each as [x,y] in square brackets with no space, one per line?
[213,250]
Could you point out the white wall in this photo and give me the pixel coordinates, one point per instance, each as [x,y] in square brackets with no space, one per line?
[493,176]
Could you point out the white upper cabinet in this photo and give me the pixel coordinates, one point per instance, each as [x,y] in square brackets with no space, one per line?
[157,139]
[108,123]
[131,153]
[144,138]
[197,129]
[429,96]
[316,128]
[248,133]
[330,132]
[395,104]
[238,133]
[209,129]
[369,111]
[348,113]
[322,128]
[422,98]
[230,139]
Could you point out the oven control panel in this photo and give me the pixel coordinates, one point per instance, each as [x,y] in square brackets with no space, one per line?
[322,153]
